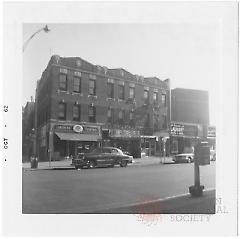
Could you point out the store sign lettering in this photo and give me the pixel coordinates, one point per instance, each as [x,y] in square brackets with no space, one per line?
[177,129]
[124,133]
[80,129]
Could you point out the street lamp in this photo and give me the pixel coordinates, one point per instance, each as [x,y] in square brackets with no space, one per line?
[45,29]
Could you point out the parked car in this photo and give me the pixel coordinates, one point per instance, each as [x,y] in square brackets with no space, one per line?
[183,158]
[102,157]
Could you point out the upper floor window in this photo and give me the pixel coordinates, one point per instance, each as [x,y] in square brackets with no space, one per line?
[146,96]
[62,111]
[121,92]
[92,114]
[92,87]
[121,116]
[110,115]
[131,92]
[164,125]
[63,82]
[110,90]
[164,102]
[131,118]
[155,96]
[76,112]
[77,84]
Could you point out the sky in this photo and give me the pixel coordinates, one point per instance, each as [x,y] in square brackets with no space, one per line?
[186,53]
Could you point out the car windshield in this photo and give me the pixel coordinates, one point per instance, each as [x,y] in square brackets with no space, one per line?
[96,151]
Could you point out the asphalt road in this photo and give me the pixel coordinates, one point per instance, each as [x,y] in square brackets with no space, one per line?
[89,190]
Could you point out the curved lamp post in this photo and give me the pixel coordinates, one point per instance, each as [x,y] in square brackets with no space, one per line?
[45,29]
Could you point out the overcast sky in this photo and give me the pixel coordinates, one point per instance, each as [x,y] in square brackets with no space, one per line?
[188,54]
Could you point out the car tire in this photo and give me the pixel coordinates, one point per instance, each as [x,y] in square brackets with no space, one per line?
[123,163]
[92,164]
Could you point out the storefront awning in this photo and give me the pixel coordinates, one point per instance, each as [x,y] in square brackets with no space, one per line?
[77,137]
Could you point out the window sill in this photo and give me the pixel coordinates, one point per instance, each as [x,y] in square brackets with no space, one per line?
[77,93]
[94,96]
[110,99]
[63,91]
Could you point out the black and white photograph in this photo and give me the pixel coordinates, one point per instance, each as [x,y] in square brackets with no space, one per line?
[120,115]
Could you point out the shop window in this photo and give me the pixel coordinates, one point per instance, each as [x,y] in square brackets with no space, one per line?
[62,111]
[92,114]
[92,87]
[121,92]
[63,82]
[146,96]
[131,92]
[76,112]
[77,84]
[110,90]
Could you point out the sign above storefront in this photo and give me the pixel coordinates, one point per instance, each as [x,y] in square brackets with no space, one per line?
[123,133]
[211,132]
[179,129]
[79,129]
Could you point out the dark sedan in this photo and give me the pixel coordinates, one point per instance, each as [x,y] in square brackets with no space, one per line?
[102,157]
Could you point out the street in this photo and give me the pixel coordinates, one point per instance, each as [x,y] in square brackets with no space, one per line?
[89,190]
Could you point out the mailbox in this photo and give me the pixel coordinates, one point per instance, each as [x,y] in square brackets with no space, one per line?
[202,153]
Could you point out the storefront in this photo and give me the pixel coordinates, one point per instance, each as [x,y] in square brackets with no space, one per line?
[69,139]
[126,140]
[183,137]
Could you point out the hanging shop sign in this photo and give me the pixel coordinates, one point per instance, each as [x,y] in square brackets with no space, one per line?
[178,129]
[211,132]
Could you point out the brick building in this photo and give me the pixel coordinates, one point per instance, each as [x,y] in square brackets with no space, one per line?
[189,113]
[27,130]
[80,105]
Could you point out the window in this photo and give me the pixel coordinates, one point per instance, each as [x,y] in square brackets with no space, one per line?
[164,99]
[62,111]
[131,118]
[121,92]
[164,126]
[76,112]
[110,90]
[92,87]
[110,115]
[63,82]
[121,116]
[131,92]
[77,84]
[146,96]
[155,96]
[92,114]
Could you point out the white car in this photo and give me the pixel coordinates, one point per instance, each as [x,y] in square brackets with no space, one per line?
[183,158]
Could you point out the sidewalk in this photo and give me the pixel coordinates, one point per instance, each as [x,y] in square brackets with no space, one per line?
[175,205]
[66,164]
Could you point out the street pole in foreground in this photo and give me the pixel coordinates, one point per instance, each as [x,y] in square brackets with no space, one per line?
[201,157]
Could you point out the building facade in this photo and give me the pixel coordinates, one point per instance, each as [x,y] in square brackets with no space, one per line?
[80,105]
[27,130]
[189,115]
